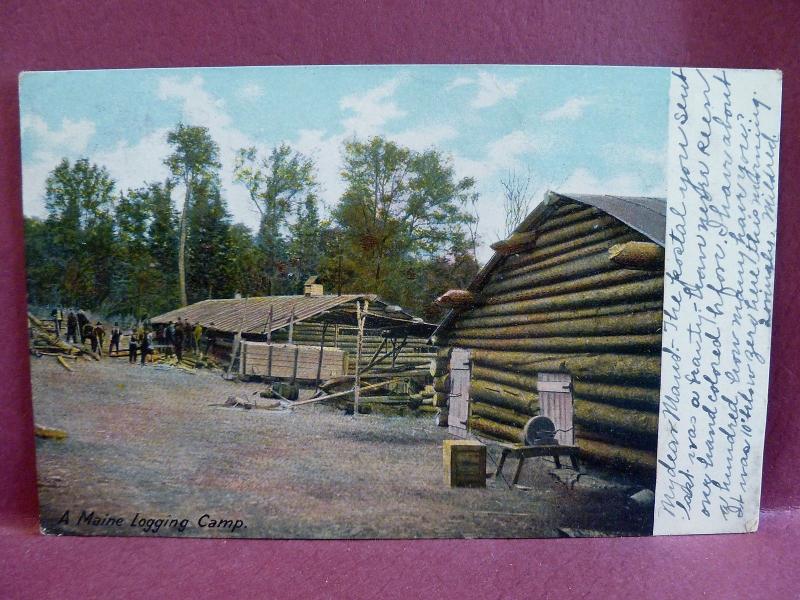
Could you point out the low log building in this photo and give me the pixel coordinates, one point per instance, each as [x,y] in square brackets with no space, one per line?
[392,336]
[576,291]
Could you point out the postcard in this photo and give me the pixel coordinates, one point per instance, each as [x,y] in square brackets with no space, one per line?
[446,301]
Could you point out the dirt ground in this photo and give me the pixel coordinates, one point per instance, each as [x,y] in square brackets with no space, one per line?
[154,441]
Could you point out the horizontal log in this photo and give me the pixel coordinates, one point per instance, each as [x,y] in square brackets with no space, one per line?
[545,252]
[442,383]
[576,230]
[500,415]
[632,323]
[525,383]
[607,417]
[496,430]
[524,402]
[617,437]
[594,264]
[593,283]
[440,399]
[506,270]
[646,343]
[617,457]
[557,221]
[516,242]
[638,255]
[455,299]
[562,315]
[592,367]
[626,396]
[647,289]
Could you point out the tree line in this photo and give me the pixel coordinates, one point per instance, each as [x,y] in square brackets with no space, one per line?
[404,229]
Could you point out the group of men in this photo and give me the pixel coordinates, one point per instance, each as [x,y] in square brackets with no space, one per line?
[183,336]
[80,330]
[143,338]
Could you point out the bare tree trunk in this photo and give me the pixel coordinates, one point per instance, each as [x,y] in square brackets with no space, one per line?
[182,248]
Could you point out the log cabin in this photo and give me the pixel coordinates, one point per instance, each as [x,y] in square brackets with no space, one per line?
[574,294]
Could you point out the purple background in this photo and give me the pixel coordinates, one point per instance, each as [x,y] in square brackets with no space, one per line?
[81,34]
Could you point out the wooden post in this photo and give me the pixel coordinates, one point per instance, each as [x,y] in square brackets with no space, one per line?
[237,339]
[321,351]
[336,336]
[269,325]
[291,326]
[360,319]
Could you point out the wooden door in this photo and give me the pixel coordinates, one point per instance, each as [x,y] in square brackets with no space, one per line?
[458,396]
[555,403]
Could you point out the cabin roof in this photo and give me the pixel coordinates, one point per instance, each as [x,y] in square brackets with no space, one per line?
[646,215]
[252,315]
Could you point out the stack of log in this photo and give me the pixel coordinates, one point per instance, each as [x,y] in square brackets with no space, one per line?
[416,354]
[381,392]
[586,299]
[45,342]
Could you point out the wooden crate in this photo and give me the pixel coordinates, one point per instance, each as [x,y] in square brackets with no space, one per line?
[464,463]
[291,361]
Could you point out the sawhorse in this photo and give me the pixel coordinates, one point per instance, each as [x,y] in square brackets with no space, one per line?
[523,452]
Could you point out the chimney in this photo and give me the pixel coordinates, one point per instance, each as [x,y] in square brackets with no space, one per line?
[312,288]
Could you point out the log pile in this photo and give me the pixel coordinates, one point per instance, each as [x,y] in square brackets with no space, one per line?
[45,342]
[584,298]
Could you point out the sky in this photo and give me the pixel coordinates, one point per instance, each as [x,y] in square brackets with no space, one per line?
[600,130]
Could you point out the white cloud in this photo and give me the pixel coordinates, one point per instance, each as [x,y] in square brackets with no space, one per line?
[199,107]
[422,138]
[571,110]
[491,89]
[133,165]
[502,154]
[250,92]
[71,140]
[623,154]
[73,136]
[583,181]
[372,109]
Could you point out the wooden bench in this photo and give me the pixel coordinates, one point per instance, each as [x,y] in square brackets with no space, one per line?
[522,452]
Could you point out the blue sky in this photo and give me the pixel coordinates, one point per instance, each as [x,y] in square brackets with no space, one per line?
[574,129]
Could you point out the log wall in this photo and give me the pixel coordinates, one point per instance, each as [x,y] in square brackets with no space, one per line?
[563,305]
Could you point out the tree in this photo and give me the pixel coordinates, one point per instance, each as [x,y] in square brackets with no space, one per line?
[79,201]
[208,250]
[193,162]
[517,199]
[305,242]
[146,251]
[278,184]
[400,209]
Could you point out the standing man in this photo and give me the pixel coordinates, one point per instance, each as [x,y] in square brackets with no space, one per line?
[72,327]
[144,342]
[100,334]
[211,339]
[58,316]
[116,333]
[187,334]
[198,333]
[83,321]
[169,335]
[179,340]
[133,347]
[89,334]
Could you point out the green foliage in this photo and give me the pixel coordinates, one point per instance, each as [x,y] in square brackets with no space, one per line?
[194,163]
[400,211]
[79,202]
[279,185]
[402,229]
[145,252]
